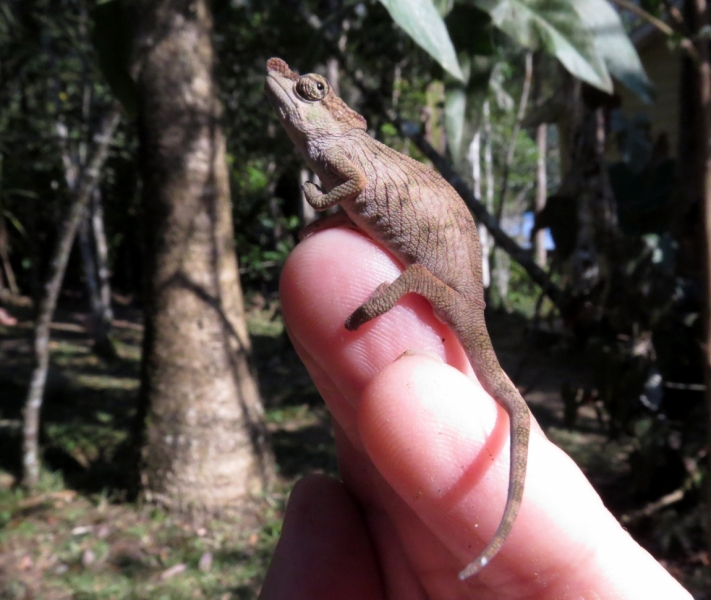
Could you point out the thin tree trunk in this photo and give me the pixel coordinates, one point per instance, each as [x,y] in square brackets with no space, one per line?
[86,184]
[73,166]
[101,248]
[539,242]
[474,156]
[332,74]
[97,289]
[502,261]
[488,245]
[87,259]
[200,420]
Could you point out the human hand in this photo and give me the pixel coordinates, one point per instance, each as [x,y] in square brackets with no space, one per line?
[423,452]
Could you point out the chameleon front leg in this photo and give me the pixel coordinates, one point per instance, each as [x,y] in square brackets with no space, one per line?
[353,177]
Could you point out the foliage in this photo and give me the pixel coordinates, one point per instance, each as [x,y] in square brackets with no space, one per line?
[643,339]
[555,27]
[51,85]
[420,20]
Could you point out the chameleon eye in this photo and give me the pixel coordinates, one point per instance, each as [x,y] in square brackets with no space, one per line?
[311,87]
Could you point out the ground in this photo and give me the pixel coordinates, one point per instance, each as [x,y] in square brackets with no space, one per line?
[79,538]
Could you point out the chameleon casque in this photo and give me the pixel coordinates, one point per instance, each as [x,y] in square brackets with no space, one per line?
[414,213]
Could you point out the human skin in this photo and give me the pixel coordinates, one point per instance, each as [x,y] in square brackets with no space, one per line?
[422,453]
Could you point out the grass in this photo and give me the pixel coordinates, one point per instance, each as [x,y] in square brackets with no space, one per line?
[63,545]
[77,537]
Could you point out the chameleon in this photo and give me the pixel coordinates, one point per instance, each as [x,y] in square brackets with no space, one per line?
[410,209]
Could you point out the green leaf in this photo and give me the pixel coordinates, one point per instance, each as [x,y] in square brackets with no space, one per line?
[470,31]
[555,26]
[614,46]
[421,21]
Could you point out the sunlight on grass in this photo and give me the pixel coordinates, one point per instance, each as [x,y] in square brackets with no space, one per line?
[106,382]
[89,542]
[96,550]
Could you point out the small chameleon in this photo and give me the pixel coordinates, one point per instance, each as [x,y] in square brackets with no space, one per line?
[414,213]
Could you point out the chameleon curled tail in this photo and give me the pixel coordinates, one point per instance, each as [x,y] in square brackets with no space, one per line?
[506,394]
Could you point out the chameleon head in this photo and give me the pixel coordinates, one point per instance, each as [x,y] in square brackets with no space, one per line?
[306,104]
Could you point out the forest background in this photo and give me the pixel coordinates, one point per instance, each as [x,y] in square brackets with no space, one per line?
[153,414]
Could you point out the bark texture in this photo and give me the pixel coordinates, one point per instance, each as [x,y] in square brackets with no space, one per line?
[201,421]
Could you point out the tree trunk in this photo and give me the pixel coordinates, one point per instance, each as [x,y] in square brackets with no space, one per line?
[487,244]
[200,420]
[86,184]
[97,288]
[474,156]
[539,241]
[87,259]
[101,248]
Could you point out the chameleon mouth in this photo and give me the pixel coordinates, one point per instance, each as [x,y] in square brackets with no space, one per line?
[276,94]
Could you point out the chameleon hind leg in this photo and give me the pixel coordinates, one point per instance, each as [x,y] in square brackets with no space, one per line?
[414,279]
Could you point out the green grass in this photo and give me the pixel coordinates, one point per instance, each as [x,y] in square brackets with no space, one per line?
[76,537]
[69,546]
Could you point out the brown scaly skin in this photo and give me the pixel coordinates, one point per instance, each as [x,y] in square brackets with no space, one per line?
[412,211]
